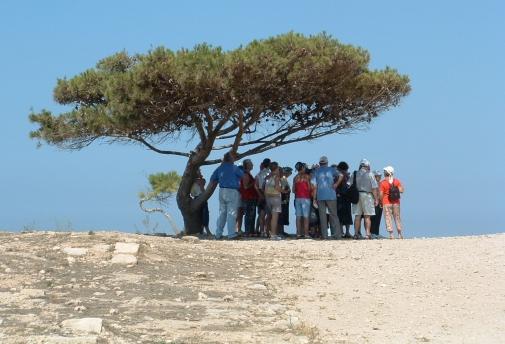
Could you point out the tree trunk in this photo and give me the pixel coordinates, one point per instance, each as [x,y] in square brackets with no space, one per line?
[191,209]
[192,221]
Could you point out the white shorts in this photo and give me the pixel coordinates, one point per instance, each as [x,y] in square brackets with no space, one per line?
[274,204]
[365,206]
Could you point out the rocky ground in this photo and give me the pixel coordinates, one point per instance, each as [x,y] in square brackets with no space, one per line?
[127,288]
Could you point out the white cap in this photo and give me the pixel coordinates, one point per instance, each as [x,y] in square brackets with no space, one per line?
[389,169]
[323,160]
[364,162]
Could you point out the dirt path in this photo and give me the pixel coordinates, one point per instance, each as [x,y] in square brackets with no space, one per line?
[198,291]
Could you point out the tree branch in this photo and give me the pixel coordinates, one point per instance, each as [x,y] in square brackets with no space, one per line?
[157,150]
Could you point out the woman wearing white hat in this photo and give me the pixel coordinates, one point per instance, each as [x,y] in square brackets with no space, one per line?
[390,190]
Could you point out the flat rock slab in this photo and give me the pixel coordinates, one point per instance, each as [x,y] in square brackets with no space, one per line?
[75,251]
[126,248]
[86,325]
[62,340]
[124,259]
[100,248]
[33,293]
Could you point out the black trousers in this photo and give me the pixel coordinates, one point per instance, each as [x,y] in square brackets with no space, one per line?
[376,220]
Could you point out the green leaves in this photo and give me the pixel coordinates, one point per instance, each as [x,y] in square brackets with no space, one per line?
[293,82]
[163,186]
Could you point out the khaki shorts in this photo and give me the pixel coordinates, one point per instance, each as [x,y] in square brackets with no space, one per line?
[365,206]
[273,204]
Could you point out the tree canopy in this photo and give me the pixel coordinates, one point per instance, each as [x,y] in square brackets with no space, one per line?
[269,93]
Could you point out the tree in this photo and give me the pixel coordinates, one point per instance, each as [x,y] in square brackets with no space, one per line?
[285,89]
[162,188]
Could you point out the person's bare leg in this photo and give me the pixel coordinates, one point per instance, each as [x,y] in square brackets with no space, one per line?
[299,220]
[274,223]
[306,226]
[268,224]
[240,217]
[357,225]
[368,226]
[261,221]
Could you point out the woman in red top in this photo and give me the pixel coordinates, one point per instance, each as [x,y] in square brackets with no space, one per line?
[249,198]
[390,204]
[302,191]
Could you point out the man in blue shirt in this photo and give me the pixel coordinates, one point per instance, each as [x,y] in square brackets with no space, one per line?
[325,181]
[228,176]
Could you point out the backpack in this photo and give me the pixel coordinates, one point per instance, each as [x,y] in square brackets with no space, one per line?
[394,192]
[352,193]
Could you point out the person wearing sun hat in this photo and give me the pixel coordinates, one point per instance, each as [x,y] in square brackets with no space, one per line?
[326,180]
[391,205]
[368,198]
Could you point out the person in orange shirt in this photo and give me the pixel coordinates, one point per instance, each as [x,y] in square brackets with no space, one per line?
[390,197]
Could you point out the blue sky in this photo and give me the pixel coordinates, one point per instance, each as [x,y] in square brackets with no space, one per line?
[445,140]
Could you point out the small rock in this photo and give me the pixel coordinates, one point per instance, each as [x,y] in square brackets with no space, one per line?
[79,309]
[227,298]
[70,260]
[98,293]
[113,311]
[124,259]
[42,272]
[126,248]
[75,251]
[8,270]
[33,293]
[190,238]
[383,285]
[119,292]
[200,274]
[75,302]
[356,257]
[257,287]
[86,325]
[202,296]
[1,321]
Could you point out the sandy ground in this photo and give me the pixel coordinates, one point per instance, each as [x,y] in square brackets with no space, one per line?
[444,290]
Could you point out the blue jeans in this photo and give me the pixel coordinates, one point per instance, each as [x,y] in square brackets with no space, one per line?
[229,200]
[302,207]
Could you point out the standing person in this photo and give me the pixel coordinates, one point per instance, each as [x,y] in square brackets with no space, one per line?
[376,219]
[325,196]
[228,176]
[240,212]
[390,189]
[259,181]
[273,200]
[368,198]
[196,190]
[302,191]
[343,204]
[249,198]
[285,197]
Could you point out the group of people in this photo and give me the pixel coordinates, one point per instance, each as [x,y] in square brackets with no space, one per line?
[322,200]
